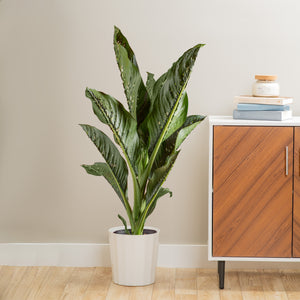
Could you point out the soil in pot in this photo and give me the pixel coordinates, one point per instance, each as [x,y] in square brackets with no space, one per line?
[146,231]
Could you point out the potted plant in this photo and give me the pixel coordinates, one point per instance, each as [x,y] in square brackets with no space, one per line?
[146,145]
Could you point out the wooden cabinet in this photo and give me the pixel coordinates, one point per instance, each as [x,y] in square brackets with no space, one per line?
[254,190]
[252,201]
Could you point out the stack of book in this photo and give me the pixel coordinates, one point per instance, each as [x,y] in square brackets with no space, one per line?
[263,108]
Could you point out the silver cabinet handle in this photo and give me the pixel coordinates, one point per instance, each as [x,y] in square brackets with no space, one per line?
[287,160]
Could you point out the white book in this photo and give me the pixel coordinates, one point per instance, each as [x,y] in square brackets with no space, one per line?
[270,115]
[264,100]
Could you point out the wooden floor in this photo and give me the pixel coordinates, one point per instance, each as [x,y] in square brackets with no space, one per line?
[20,283]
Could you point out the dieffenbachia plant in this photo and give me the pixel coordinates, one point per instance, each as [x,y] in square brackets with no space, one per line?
[147,138]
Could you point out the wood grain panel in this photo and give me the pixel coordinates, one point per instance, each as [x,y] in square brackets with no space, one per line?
[296,219]
[252,195]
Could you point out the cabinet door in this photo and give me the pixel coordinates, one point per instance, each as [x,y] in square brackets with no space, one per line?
[252,191]
[296,222]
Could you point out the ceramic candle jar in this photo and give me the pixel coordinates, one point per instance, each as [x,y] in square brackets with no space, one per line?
[265,86]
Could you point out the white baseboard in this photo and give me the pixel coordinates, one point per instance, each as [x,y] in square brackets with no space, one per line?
[93,255]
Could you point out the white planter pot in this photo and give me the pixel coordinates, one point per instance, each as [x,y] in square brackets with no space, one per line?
[133,257]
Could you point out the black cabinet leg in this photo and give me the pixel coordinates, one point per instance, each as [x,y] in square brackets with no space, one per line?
[221,271]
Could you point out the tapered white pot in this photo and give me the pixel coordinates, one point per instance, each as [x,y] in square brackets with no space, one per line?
[133,257]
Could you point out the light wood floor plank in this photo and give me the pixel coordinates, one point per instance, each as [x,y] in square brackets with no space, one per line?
[186,284]
[118,292]
[78,283]
[99,284]
[273,286]
[164,286]
[23,290]
[291,283]
[207,285]
[251,285]
[10,292]
[6,275]
[141,292]
[36,280]
[54,283]
[232,289]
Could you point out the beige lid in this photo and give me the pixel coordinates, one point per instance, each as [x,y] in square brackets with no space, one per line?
[266,77]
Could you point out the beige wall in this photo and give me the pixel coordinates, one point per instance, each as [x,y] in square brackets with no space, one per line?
[51,50]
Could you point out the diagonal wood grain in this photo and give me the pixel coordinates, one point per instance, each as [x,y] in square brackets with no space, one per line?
[250,188]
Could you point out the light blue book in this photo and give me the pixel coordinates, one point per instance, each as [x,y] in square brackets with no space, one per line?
[252,106]
[262,115]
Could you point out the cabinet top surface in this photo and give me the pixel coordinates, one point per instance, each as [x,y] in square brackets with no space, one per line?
[228,120]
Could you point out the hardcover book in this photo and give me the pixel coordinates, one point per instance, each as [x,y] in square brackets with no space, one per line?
[262,115]
[252,106]
[264,100]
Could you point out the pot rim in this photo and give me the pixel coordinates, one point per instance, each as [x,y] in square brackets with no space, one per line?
[113,229]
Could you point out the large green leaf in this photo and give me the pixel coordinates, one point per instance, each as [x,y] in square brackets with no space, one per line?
[150,84]
[97,111]
[179,116]
[188,126]
[124,223]
[158,177]
[135,90]
[162,191]
[102,169]
[172,144]
[111,155]
[123,126]
[167,92]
